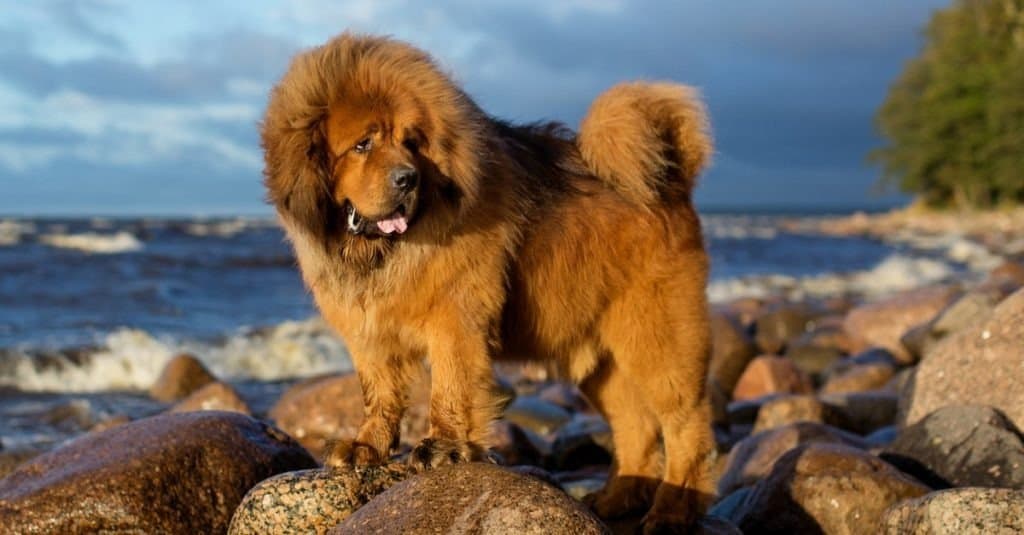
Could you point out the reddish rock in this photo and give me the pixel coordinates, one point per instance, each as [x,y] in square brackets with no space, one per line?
[215,396]
[770,374]
[785,410]
[732,350]
[980,365]
[331,407]
[472,498]
[753,457]
[859,378]
[172,473]
[881,324]
[825,488]
[181,376]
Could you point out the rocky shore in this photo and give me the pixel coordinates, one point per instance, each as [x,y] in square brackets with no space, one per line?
[896,414]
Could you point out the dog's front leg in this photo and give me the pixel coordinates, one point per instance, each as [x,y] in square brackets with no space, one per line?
[462,400]
[384,380]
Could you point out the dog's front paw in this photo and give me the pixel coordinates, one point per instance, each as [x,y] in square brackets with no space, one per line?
[343,454]
[435,452]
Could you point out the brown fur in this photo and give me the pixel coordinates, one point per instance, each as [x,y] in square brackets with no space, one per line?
[524,242]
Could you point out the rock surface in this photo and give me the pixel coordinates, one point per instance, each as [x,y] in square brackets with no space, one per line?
[966,446]
[172,473]
[731,351]
[883,323]
[776,326]
[331,407]
[979,365]
[824,488]
[311,501]
[181,376]
[769,374]
[966,511]
[785,410]
[215,396]
[859,378]
[472,498]
[753,457]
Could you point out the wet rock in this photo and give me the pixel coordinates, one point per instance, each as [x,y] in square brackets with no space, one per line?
[859,378]
[215,396]
[586,440]
[883,323]
[753,457]
[784,410]
[979,365]
[732,350]
[964,446]
[777,325]
[967,511]
[882,437]
[311,501]
[564,395]
[769,374]
[181,376]
[331,407]
[537,415]
[824,488]
[863,412]
[172,473]
[472,498]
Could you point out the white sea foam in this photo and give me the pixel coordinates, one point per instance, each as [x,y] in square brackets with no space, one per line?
[132,359]
[11,231]
[91,242]
[220,229]
[739,227]
[897,272]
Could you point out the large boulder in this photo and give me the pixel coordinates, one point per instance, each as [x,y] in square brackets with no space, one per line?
[215,396]
[824,488]
[883,323]
[979,365]
[966,511]
[472,498]
[172,473]
[311,501]
[964,446]
[753,457]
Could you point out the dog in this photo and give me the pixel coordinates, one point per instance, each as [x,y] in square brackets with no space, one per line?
[424,227]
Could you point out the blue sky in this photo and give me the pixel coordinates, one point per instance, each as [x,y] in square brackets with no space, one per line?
[124,106]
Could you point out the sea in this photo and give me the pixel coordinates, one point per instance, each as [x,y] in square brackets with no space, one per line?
[91,308]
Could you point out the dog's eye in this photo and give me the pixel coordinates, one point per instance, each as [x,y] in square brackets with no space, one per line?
[364,145]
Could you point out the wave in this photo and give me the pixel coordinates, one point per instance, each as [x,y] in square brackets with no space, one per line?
[896,272]
[225,228]
[11,231]
[92,242]
[131,359]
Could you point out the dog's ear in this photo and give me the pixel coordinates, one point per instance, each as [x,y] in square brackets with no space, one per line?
[309,200]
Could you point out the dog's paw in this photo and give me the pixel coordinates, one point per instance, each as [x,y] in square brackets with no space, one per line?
[621,498]
[343,454]
[435,452]
[655,523]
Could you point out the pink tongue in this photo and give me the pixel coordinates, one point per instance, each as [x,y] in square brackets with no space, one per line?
[396,223]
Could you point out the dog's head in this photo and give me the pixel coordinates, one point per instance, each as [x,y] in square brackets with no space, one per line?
[366,141]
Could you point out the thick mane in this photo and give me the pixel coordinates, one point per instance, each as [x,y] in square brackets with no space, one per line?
[374,69]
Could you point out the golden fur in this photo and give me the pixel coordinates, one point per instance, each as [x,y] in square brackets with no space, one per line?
[523,242]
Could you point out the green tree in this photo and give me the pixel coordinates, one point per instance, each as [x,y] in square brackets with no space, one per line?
[954,119]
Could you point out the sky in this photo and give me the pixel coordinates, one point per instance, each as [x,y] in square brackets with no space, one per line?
[128,107]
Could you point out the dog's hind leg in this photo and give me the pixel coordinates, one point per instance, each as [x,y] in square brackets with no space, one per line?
[636,469]
[658,334]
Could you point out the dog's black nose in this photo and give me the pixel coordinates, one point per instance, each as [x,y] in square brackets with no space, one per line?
[404,178]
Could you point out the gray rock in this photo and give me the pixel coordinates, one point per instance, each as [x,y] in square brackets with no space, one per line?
[472,498]
[966,446]
[863,412]
[966,511]
[537,415]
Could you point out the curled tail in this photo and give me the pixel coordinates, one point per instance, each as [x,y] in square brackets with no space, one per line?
[647,140]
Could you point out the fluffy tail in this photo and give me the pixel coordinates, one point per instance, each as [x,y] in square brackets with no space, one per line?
[647,139]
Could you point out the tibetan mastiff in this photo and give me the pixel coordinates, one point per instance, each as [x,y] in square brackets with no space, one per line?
[425,228]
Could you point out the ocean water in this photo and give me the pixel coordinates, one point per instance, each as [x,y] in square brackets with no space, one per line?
[92,308]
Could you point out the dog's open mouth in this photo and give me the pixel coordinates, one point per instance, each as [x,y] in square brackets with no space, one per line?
[393,224]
